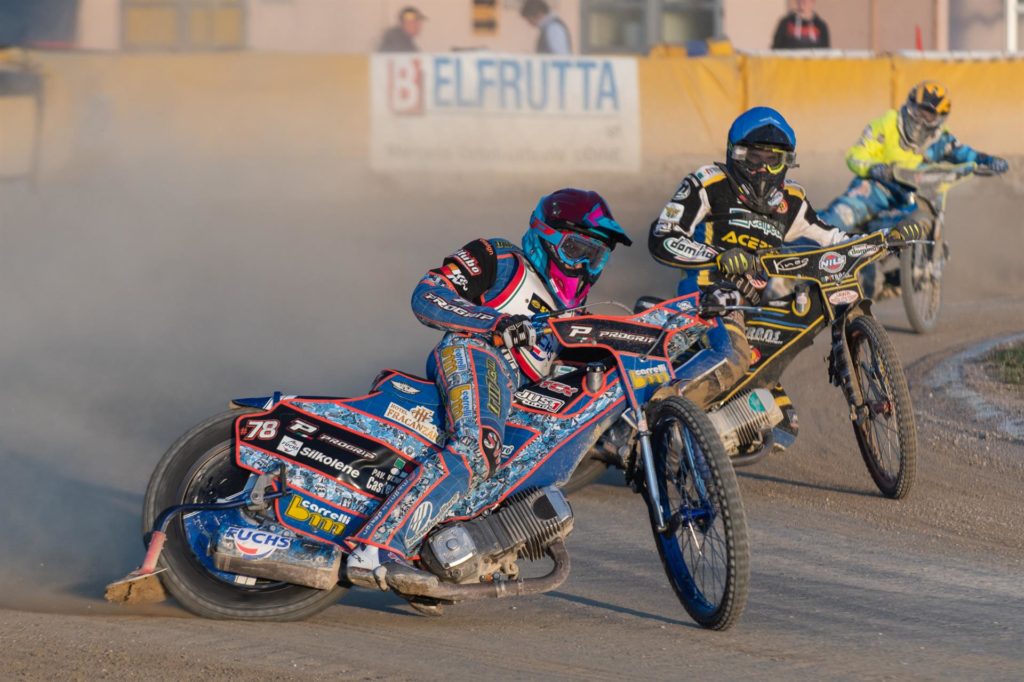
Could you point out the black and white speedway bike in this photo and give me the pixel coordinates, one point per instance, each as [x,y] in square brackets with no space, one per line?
[755,417]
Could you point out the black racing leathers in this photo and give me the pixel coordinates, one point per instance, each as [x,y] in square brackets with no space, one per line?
[704,218]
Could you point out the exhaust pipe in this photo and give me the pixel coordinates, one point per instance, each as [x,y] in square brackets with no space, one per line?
[410,582]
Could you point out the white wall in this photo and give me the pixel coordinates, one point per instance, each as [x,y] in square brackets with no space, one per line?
[99,24]
[356,25]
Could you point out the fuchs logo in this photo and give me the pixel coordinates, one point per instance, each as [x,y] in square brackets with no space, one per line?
[844,297]
[289,446]
[256,544]
[832,262]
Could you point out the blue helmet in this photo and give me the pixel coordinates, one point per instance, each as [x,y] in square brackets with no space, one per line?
[761,148]
[570,237]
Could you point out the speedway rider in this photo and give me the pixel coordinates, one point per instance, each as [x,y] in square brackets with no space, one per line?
[907,137]
[725,212]
[484,292]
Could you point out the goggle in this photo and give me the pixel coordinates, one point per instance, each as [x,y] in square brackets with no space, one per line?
[575,250]
[926,115]
[771,159]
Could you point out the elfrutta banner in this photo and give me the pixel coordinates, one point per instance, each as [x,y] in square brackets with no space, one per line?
[511,113]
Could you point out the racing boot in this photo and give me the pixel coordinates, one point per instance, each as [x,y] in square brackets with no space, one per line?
[368,565]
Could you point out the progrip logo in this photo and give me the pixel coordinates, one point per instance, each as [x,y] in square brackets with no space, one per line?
[405,87]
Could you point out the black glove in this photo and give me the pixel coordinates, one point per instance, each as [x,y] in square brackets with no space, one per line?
[516,331]
[907,231]
[713,301]
[996,164]
[736,261]
[882,172]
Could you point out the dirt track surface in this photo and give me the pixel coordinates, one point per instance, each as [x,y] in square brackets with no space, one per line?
[138,300]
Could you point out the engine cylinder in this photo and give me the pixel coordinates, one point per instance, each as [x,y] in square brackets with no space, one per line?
[745,418]
[524,527]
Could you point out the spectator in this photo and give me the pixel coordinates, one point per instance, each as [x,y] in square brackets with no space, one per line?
[400,38]
[554,36]
[801,29]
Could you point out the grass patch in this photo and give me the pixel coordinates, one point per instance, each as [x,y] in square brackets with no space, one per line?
[1009,364]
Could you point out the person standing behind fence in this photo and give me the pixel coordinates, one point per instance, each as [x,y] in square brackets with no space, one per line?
[801,29]
[400,38]
[554,35]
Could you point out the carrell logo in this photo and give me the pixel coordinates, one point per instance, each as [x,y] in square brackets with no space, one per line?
[502,84]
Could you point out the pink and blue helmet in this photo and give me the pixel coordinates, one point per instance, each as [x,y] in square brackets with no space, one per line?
[572,233]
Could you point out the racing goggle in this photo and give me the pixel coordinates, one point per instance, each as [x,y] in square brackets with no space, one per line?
[927,116]
[576,250]
[771,159]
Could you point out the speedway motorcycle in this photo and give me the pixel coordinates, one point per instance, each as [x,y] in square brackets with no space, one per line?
[755,417]
[921,264]
[247,513]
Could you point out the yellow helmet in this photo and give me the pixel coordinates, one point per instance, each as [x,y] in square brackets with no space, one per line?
[925,111]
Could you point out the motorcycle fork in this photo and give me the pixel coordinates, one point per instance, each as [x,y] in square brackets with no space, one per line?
[839,367]
[647,453]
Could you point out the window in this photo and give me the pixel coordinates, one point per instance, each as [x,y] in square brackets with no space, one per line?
[634,26]
[183,24]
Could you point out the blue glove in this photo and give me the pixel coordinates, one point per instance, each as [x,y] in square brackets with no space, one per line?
[996,164]
[880,172]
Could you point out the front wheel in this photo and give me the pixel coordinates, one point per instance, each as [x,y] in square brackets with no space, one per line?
[200,468]
[921,284]
[885,427]
[704,550]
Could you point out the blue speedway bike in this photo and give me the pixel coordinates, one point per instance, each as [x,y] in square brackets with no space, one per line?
[919,273]
[247,512]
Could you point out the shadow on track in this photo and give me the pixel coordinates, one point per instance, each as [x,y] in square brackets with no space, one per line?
[803,484]
[585,601]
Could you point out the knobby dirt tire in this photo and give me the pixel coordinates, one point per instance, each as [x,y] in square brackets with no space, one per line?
[881,384]
[724,533]
[922,296]
[200,465]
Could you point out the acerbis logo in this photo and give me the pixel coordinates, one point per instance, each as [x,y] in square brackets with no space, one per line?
[256,544]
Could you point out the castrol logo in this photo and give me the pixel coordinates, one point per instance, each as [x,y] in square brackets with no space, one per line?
[832,262]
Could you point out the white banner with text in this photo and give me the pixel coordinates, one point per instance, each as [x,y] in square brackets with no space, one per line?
[507,113]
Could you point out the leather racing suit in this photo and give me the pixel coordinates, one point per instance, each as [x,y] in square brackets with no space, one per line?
[465,297]
[883,142]
[704,218]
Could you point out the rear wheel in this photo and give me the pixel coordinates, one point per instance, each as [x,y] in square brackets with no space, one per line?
[885,428]
[589,470]
[200,468]
[921,285]
[705,550]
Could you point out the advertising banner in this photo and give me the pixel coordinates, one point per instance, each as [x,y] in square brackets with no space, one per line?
[509,113]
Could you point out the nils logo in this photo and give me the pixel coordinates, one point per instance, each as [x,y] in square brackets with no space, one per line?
[832,262]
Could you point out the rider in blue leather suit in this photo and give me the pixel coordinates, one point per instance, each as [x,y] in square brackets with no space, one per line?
[484,292]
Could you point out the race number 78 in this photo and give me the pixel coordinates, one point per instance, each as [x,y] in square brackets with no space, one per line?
[261,429]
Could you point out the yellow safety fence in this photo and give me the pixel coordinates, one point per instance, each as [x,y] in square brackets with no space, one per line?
[266,105]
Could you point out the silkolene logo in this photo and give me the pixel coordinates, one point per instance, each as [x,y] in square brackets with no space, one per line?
[501,84]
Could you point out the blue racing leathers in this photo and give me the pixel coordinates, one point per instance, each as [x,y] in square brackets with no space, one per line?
[704,218]
[466,297]
[884,143]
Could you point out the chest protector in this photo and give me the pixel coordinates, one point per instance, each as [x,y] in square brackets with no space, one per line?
[741,227]
[524,293]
